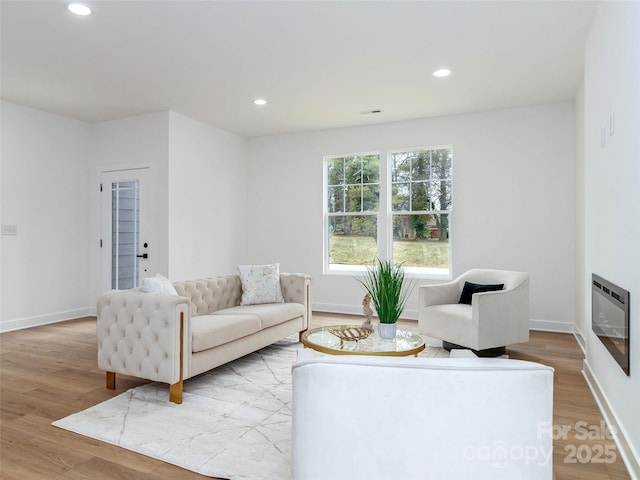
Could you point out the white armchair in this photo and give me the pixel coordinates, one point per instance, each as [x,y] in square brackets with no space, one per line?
[382,418]
[493,320]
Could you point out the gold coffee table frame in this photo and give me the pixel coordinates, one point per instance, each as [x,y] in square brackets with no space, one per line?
[322,340]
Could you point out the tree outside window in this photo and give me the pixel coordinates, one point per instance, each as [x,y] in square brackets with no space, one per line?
[419,206]
[353,202]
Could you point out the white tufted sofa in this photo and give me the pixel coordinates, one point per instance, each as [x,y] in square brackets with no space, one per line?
[168,338]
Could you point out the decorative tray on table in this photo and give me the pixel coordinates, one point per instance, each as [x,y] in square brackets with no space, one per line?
[350,333]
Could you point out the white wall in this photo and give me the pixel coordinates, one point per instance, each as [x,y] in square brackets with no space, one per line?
[140,141]
[513,190]
[513,208]
[45,192]
[51,171]
[207,199]
[612,171]
[583,278]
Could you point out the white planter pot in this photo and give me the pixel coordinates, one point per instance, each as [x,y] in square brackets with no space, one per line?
[387,330]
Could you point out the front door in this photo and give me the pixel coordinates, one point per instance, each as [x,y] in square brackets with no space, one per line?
[125,228]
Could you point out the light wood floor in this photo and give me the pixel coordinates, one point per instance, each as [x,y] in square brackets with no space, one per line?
[49,372]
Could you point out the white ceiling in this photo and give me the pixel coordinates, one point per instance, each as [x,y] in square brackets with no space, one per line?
[318,63]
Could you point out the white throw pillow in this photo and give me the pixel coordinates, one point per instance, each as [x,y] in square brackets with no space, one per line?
[260,284]
[158,284]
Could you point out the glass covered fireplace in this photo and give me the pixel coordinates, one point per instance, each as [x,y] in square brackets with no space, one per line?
[610,318]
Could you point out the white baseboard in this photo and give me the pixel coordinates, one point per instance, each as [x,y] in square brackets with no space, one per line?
[551,326]
[9,325]
[540,325]
[582,343]
[336,308]
[20,323]
[630,457]
[355,310]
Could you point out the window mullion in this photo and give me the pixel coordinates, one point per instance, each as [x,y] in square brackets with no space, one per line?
[385,222]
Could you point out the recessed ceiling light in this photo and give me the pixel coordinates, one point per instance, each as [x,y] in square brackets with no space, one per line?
[443,72]
[79,9]
[260,101]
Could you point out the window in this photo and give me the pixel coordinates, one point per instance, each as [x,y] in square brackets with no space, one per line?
[352,205]
[421,204]
[404,217]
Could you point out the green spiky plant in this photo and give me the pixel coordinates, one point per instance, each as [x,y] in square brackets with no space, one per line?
[385,283]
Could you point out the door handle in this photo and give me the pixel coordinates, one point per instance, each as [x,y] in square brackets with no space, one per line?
[144,255]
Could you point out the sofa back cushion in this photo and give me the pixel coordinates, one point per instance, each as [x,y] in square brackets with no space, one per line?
[208,295]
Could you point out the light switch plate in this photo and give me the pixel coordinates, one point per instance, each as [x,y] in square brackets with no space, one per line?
[9,230]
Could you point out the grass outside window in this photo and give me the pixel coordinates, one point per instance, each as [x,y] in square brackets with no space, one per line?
[362,250]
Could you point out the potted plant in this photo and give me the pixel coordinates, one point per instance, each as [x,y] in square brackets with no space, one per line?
[385,283]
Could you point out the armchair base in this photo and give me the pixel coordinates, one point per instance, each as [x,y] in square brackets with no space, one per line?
[487,352]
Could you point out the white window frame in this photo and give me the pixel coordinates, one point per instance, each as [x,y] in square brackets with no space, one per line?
[384,218]
[339,269]
[420,272]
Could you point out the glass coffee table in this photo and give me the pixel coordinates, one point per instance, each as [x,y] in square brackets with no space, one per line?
[322,340]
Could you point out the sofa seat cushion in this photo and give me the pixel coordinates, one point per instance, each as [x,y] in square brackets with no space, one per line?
[452,322]
[270,314]
[451,312]
[209,331]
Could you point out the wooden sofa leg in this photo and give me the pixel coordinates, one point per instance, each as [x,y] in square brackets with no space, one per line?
[175,392]
[175,389]
[111,380]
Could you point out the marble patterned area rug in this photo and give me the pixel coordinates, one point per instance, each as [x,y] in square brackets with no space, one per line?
[234,422]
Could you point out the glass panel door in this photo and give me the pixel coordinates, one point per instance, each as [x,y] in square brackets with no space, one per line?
[125,228]
[125,234]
